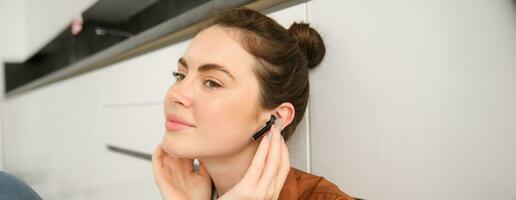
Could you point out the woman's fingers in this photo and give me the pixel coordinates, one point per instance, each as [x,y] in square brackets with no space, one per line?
[283,171]
[268,171]
[164,164]
[272,162]
[174,180]
[156,155]
[187,165]
[177,165]
[255,169]
[157,163]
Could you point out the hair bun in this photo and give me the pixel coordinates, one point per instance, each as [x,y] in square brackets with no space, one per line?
[309,41]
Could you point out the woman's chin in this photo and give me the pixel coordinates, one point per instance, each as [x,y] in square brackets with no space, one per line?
[179,154]
[177,150]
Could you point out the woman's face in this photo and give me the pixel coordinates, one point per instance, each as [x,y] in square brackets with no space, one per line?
[217,93]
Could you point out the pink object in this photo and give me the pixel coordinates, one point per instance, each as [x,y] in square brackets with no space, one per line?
[76,27]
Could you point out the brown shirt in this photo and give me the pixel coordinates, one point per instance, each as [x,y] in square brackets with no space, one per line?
[306,186]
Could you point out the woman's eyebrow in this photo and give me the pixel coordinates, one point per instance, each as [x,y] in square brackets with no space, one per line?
[208,67]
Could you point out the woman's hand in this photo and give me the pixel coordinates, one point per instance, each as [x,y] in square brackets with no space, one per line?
[176,178]
[268,171]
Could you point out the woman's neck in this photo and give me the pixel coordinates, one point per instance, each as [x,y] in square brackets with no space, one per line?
[227,171]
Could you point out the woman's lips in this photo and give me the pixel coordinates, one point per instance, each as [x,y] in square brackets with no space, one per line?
[175,126]
[175,123]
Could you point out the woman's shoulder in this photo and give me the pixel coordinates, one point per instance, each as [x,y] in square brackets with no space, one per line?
[304,185]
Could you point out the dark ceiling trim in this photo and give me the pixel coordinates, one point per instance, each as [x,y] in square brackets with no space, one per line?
[129,152]
[172,31]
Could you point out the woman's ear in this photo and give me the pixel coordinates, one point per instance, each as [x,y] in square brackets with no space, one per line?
[284,114]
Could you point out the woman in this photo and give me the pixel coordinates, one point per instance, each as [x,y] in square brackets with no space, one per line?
[238,71]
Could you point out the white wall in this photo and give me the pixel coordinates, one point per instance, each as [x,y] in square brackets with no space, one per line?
[416,99]
[28,25]
[12,30]
[13,44]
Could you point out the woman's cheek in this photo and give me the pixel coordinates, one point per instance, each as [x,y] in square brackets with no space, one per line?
[223,133]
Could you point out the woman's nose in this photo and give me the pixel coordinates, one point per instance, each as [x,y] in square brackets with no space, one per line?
[180,94]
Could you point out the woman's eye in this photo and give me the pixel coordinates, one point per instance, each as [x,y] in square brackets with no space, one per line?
[178,76]
[211,84]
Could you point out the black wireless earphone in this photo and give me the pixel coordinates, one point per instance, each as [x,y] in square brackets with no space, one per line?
[268,126]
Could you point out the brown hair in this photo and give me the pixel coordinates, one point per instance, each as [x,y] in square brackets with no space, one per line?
[285,57]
